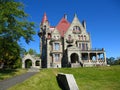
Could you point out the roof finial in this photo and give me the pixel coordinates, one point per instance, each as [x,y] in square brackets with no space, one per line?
[75,15]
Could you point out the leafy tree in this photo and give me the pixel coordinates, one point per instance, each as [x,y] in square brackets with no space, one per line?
[32,52]
[117,61]
[110,60]
[13,27]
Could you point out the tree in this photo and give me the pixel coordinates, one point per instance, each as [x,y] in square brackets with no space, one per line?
[117,61]
[32,52]
[110,60]
[13,27]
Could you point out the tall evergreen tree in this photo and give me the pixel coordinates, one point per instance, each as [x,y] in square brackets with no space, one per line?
[13,26]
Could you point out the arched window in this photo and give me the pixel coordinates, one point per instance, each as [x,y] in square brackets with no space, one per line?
[76,29]
[84,37]
[79,37]
[37,63]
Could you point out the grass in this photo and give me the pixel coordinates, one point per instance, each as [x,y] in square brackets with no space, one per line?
[92,78]
[8,73]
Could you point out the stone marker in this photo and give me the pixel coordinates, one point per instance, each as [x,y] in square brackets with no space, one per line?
[67,82]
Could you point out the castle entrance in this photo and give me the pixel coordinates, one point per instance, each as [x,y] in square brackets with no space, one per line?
[74,58]
[28,63]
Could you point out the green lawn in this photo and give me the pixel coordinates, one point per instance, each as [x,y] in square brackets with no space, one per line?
[91,78]
[8,73]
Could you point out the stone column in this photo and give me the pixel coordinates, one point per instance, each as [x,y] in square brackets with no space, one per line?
[96,57]
[48,53]
[23,64]
[33,63]
[105,58]
[53,58]
[69,58]
[60,58]
[79,55]
[88,57]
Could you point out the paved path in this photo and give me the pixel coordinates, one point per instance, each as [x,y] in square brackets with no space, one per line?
[5,84]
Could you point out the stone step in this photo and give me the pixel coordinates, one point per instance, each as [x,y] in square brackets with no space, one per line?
[33,70]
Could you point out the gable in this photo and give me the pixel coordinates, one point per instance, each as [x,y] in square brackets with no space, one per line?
[28,56]
[55,33]
[75,24]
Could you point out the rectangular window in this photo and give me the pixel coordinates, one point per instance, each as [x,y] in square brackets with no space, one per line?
[86,46]
[56,46]
[57,57]
[80,45]
[83,46]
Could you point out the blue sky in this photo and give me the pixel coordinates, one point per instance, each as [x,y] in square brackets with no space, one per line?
[102,18]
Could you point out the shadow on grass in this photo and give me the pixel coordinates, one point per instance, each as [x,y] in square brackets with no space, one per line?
[6,73]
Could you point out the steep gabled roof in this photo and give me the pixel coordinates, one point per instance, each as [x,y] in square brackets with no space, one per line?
[63,26]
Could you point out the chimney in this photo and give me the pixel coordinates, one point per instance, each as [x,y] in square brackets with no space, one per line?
[65,16]
[84,24]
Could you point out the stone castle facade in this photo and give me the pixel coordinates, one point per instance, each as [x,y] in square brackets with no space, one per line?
[68,45]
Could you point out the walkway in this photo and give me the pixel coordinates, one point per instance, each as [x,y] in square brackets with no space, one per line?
[5,84]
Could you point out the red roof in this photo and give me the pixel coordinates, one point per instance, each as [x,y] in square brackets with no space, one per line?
[63,26]
[44,19]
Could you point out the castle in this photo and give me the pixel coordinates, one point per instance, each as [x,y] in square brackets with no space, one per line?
[68,45]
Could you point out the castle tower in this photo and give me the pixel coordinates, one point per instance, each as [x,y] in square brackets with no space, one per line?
[43,34]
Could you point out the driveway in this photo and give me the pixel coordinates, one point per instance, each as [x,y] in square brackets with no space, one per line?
[5,84]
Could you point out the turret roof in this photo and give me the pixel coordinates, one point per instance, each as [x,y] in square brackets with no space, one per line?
[44,19]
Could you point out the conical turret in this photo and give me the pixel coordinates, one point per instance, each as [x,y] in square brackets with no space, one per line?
[44,19]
